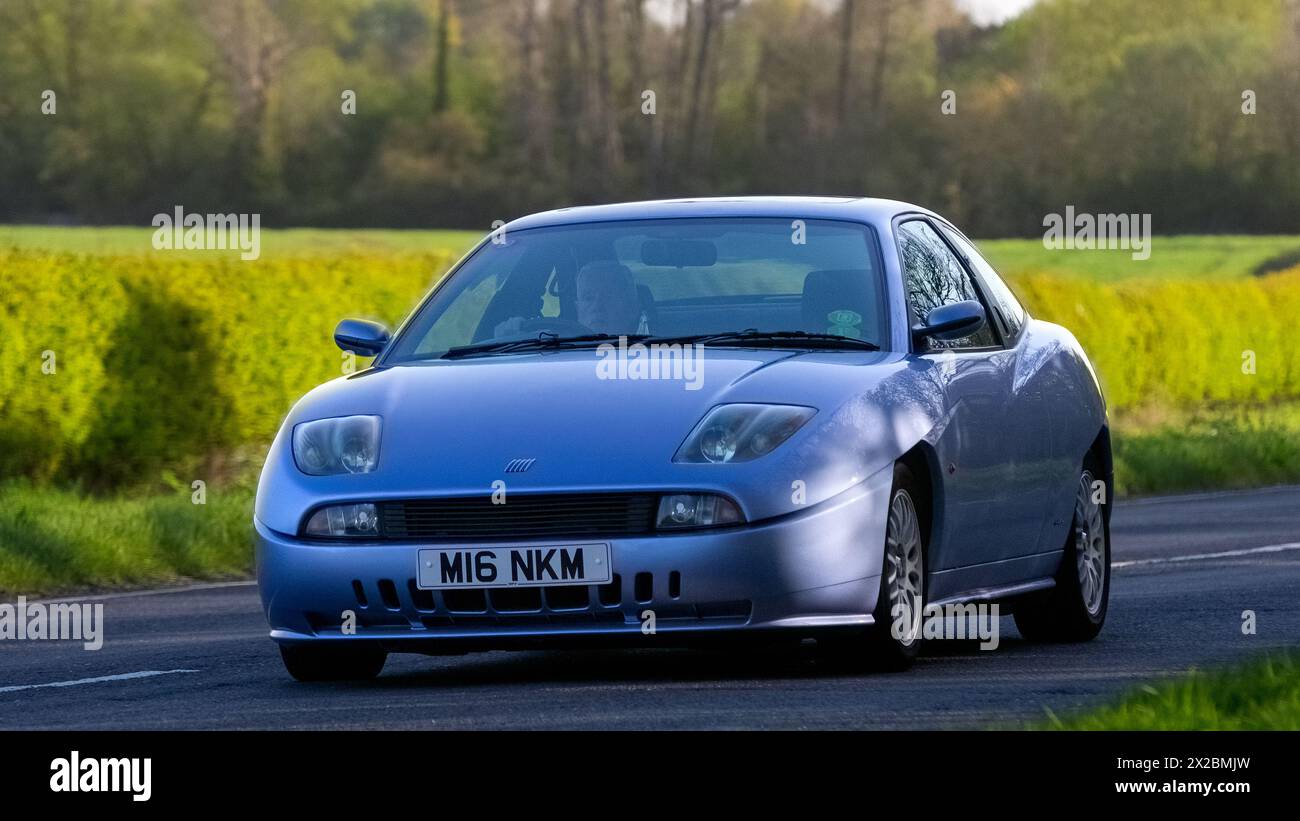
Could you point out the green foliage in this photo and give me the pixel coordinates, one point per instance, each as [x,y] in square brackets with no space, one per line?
[1083,102]
[56,540]
[188,362]
[1263,695]
[168,362]
[1206,449]
[277,243]
[1180,344]
[1177,258]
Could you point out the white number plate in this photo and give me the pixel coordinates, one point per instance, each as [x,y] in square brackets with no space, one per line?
[506,566]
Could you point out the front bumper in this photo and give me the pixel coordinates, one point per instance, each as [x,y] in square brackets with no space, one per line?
[805,572]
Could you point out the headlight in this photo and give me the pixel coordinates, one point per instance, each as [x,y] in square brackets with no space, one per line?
[346,444]
[739,433]
[696,510]
[344,520]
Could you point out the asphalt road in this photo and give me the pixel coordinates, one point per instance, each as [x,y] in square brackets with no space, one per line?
[208,664]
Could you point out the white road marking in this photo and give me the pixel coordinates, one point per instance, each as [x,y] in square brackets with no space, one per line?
[1226,554]
[95,680]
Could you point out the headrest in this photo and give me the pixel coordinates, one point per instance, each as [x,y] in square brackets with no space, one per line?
[840,302]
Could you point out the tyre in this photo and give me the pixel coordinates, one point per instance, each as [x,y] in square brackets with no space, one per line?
[894,641]
[311,663]
[1075,609]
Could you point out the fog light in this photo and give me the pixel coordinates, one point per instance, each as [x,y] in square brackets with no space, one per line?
[682,510]
[344,520]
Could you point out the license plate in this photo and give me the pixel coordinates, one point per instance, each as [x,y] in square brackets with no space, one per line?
[506,566]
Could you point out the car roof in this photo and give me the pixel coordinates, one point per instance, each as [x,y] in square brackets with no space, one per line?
[862,209]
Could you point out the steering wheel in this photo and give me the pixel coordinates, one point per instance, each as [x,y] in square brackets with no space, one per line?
[562,327]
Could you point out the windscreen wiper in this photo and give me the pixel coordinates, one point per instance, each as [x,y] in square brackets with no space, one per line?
[755,337]
[543,341]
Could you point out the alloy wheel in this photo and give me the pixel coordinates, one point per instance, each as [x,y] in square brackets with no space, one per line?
[903,567]
[1089,544]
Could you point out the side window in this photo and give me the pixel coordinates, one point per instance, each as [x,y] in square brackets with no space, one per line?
[935,277]
[1013,313]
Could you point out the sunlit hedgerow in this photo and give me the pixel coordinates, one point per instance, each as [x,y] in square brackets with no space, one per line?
[115,368]
[118,367]
[1180,344]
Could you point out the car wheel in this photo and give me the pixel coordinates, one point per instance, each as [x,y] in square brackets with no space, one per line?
[894,641]
[309,663]
[1075,609]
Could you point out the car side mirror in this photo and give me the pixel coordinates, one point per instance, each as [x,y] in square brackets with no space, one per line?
[949,323]
[361,336]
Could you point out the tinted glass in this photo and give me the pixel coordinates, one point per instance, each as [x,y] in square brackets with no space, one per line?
[935,277]
[1013,313]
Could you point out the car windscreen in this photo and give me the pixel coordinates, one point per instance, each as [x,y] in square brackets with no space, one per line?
[658,278]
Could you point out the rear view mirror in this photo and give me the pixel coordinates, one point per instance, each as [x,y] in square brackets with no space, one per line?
[678,253]
[361,336]
[948,323]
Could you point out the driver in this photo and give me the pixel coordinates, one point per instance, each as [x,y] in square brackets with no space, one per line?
[607,302]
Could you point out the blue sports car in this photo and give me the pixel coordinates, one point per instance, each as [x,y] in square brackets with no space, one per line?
[685,420]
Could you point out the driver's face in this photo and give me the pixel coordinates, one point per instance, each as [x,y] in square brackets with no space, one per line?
[606,302]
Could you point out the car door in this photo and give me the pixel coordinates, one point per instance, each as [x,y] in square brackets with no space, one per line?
[983,521]
[1028,440]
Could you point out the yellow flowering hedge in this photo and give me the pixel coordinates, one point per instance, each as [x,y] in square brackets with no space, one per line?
[1184,343]
[159,361]
[116,367]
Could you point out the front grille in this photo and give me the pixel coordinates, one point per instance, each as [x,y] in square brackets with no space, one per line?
[523,516]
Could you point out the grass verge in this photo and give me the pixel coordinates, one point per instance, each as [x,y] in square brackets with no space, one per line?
[55,540]
[1231,447]
[1261,695]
